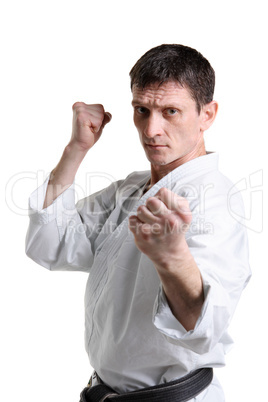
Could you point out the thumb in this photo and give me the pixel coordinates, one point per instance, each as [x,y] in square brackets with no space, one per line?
[107,118]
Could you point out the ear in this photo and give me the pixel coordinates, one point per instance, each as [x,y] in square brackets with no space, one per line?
[208,114]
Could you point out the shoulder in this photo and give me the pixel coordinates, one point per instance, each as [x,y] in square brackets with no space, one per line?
[216,203]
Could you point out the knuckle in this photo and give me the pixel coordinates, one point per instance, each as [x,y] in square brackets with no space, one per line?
[140,209]
[188,218]
[98,108]
[76,105]
[81,117]
[146,237]
[156,228]
[146,231]
[152,202]
[183,205]
[163,191]
[153,205]
[172,221]
[149,200]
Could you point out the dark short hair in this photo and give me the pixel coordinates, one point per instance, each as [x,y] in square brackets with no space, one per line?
[176,63]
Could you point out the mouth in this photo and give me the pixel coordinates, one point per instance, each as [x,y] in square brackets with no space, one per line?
[155,146]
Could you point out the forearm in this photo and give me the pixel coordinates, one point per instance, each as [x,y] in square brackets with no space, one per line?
[64,173]
[183,287]
[88,123]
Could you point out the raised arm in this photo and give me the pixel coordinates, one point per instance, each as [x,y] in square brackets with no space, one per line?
[54,238]
[88,123]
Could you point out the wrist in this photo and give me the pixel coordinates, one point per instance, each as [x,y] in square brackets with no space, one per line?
[63,174]
[74,149]
[177,259]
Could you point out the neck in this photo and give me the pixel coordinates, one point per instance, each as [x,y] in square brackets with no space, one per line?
[159,171]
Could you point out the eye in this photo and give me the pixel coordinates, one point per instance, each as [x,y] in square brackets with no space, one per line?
[141,110]
[171,111]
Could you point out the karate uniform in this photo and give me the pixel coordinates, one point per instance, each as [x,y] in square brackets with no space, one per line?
[131,336]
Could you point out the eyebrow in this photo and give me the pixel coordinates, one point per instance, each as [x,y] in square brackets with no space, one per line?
[134,102]
[167,106]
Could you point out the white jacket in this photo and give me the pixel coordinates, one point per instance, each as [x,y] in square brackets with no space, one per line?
[131,336]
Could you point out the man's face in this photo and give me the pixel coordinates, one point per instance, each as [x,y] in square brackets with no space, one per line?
[168,122]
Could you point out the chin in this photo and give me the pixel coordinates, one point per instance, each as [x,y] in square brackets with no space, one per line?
[157,162]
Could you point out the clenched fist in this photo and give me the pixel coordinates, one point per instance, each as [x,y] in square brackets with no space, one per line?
[160,225]
[88,123]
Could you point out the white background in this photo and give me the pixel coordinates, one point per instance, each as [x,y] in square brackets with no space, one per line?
[54,53]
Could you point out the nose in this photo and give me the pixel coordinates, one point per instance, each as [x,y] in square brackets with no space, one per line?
[152,126]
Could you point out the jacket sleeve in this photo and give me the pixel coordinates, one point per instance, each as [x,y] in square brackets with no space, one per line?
[219,246]
[61,237]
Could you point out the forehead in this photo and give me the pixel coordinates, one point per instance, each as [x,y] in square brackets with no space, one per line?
[168,92]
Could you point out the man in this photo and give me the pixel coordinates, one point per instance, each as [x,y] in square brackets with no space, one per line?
[167,261]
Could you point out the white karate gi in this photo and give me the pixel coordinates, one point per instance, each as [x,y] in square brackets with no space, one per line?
[131,336]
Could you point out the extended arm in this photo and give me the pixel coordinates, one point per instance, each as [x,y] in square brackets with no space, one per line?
[159,229]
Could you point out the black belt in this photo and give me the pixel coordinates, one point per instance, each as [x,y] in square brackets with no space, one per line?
[180,390]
